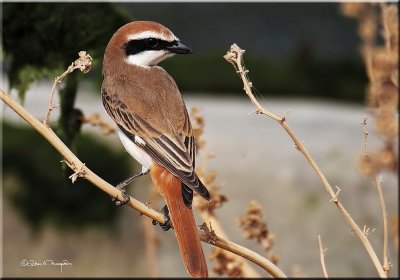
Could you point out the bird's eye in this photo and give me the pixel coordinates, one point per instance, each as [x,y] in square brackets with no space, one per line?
[152,42]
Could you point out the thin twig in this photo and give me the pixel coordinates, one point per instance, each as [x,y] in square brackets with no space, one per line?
[52,106]
[83,171]
[208,218]
[83,63]
[252,256]
[386,31]
[378,185]
[364,125]
[322,256]
[96,120]
[235,57]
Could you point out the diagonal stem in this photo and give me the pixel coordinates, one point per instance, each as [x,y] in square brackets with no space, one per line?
[235,57]
[322,256]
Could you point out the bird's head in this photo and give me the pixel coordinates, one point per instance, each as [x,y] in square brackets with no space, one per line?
[144,43]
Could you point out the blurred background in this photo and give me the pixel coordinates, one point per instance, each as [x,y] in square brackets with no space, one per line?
[328,64]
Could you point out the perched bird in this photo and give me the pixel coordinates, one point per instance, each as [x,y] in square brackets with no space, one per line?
[154,126]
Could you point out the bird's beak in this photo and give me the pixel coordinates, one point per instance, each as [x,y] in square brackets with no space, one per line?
[179,48]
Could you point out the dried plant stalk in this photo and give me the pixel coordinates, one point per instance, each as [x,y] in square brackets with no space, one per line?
[96,120]
[322,256]
[83,63]
[371,171]
[381,63]
[235,57]
[378,185]
[268,266]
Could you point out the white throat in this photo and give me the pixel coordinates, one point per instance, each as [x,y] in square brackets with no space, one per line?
[148,58]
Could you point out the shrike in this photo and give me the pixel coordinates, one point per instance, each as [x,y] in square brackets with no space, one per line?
[153,125]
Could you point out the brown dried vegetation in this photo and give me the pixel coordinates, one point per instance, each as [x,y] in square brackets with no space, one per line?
[381,62]
[254,227]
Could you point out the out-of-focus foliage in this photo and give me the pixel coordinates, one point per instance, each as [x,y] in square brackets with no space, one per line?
[379,33]
[292,49]
[41,38]
[44,38]
[40,191]
[303,76]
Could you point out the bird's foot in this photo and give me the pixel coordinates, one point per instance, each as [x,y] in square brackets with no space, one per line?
[121,187]
[167,225]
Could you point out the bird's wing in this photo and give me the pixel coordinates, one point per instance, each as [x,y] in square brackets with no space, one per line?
[166,136]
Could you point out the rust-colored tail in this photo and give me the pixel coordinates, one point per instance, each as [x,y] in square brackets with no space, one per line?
[182,220]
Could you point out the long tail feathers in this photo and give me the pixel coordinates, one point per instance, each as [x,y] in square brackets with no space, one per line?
[182,221]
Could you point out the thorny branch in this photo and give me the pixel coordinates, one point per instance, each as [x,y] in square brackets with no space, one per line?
[235,57]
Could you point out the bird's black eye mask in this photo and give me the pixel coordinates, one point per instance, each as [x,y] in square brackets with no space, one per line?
[148,44]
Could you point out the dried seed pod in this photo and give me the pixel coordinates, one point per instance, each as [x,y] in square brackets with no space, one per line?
[383,63]
[386,124]
[373,91]
[353,9]
[388,97]
[386,158]
[254,227]
[367,28]
[224,264]
[367,165]
[390,16]
[394,77]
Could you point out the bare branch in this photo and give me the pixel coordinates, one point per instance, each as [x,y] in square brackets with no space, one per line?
[364,125]
[96,120]
[322,256]
[245,253]
[378,185]
[83,63]
[235,57]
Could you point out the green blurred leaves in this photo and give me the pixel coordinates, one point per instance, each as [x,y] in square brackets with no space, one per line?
[40,38]
[41,192]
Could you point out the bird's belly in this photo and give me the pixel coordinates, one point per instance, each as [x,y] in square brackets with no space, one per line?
[135,151]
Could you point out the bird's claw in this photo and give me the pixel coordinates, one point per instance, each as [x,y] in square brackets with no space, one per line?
[124,194]
[167,225]
[121,187]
